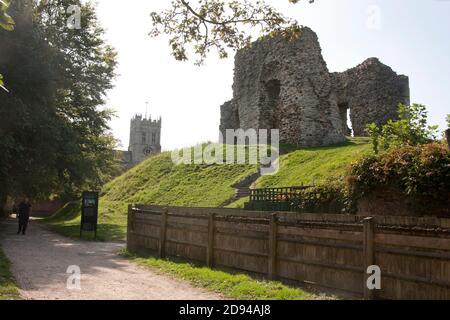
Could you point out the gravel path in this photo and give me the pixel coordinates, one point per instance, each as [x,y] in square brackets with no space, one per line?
[41,258]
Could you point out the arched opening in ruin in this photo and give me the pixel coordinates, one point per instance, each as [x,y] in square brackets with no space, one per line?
[344,112]
[273,90]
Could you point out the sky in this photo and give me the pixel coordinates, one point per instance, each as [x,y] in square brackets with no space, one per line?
[411,36]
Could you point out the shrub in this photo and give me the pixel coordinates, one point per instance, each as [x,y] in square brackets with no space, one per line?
[331,197]
[410,129]
[421,173]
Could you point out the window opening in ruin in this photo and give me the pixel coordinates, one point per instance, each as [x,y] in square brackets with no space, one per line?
[344,111]
[349,123]
[144,138]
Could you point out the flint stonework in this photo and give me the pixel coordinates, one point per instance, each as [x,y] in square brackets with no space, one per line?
[286,85]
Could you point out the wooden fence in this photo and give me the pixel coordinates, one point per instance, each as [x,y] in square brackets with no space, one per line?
[332,251]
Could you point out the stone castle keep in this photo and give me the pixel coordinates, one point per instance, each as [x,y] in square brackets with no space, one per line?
[286,85]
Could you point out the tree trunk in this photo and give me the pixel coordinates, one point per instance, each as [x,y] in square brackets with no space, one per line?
[447,135]
[3,201]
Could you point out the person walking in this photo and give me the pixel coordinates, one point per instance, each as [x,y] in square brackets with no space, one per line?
[23,212]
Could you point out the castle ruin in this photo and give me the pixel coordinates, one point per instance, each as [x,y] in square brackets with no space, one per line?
[286,85]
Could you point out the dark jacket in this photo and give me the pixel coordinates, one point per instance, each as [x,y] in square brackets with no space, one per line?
[24,209]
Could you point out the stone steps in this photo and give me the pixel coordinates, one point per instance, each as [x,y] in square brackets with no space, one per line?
[242,189]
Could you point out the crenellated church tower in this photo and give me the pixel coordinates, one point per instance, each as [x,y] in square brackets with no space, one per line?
[145,138]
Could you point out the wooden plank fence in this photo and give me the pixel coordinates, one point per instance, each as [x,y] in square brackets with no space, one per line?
[332,251]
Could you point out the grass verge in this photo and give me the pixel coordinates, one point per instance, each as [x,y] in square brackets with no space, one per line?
[67,223]
[8,286]
[231,285]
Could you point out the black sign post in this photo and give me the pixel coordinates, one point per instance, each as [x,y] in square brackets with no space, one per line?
[89,212]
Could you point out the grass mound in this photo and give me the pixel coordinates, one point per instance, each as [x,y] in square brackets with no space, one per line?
[159,181]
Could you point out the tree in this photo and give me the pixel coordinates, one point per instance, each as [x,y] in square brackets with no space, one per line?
[86,64]
[7,23]
[410,129]
[219,25]
[447,132]
[53,135]
[29,126]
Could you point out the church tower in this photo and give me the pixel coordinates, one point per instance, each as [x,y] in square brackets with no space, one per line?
[145,138]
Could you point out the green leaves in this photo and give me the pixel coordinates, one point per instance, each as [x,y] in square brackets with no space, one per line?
[410,129]
[1,82]
[6,21]
[420,173]
[86,155]
[374,133]
[219,25]
[54,115]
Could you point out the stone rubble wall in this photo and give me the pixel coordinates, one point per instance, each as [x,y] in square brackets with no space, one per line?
[372,91]
[286,85]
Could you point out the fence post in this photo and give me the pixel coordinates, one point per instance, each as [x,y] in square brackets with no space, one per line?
[210,247]
[273,229]
[129,227]
[369,253]
[162,234]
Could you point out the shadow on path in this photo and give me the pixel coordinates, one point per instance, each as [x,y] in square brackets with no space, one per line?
[41,258]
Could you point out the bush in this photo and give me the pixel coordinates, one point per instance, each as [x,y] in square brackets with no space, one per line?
[331,197]
[421,173]
[410,129]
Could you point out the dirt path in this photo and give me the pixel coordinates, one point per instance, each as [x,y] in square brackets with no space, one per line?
[41,258]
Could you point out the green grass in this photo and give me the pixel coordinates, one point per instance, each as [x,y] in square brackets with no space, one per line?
[303,165]
[239,204]
[231,286]
[8,287]
[67,222]
[158,181]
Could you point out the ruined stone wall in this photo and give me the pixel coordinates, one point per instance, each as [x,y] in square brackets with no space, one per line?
[229,118]
[281,84]
[372,91]
[286,85]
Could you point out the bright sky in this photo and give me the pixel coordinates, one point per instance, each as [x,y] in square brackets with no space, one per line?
[411,36]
